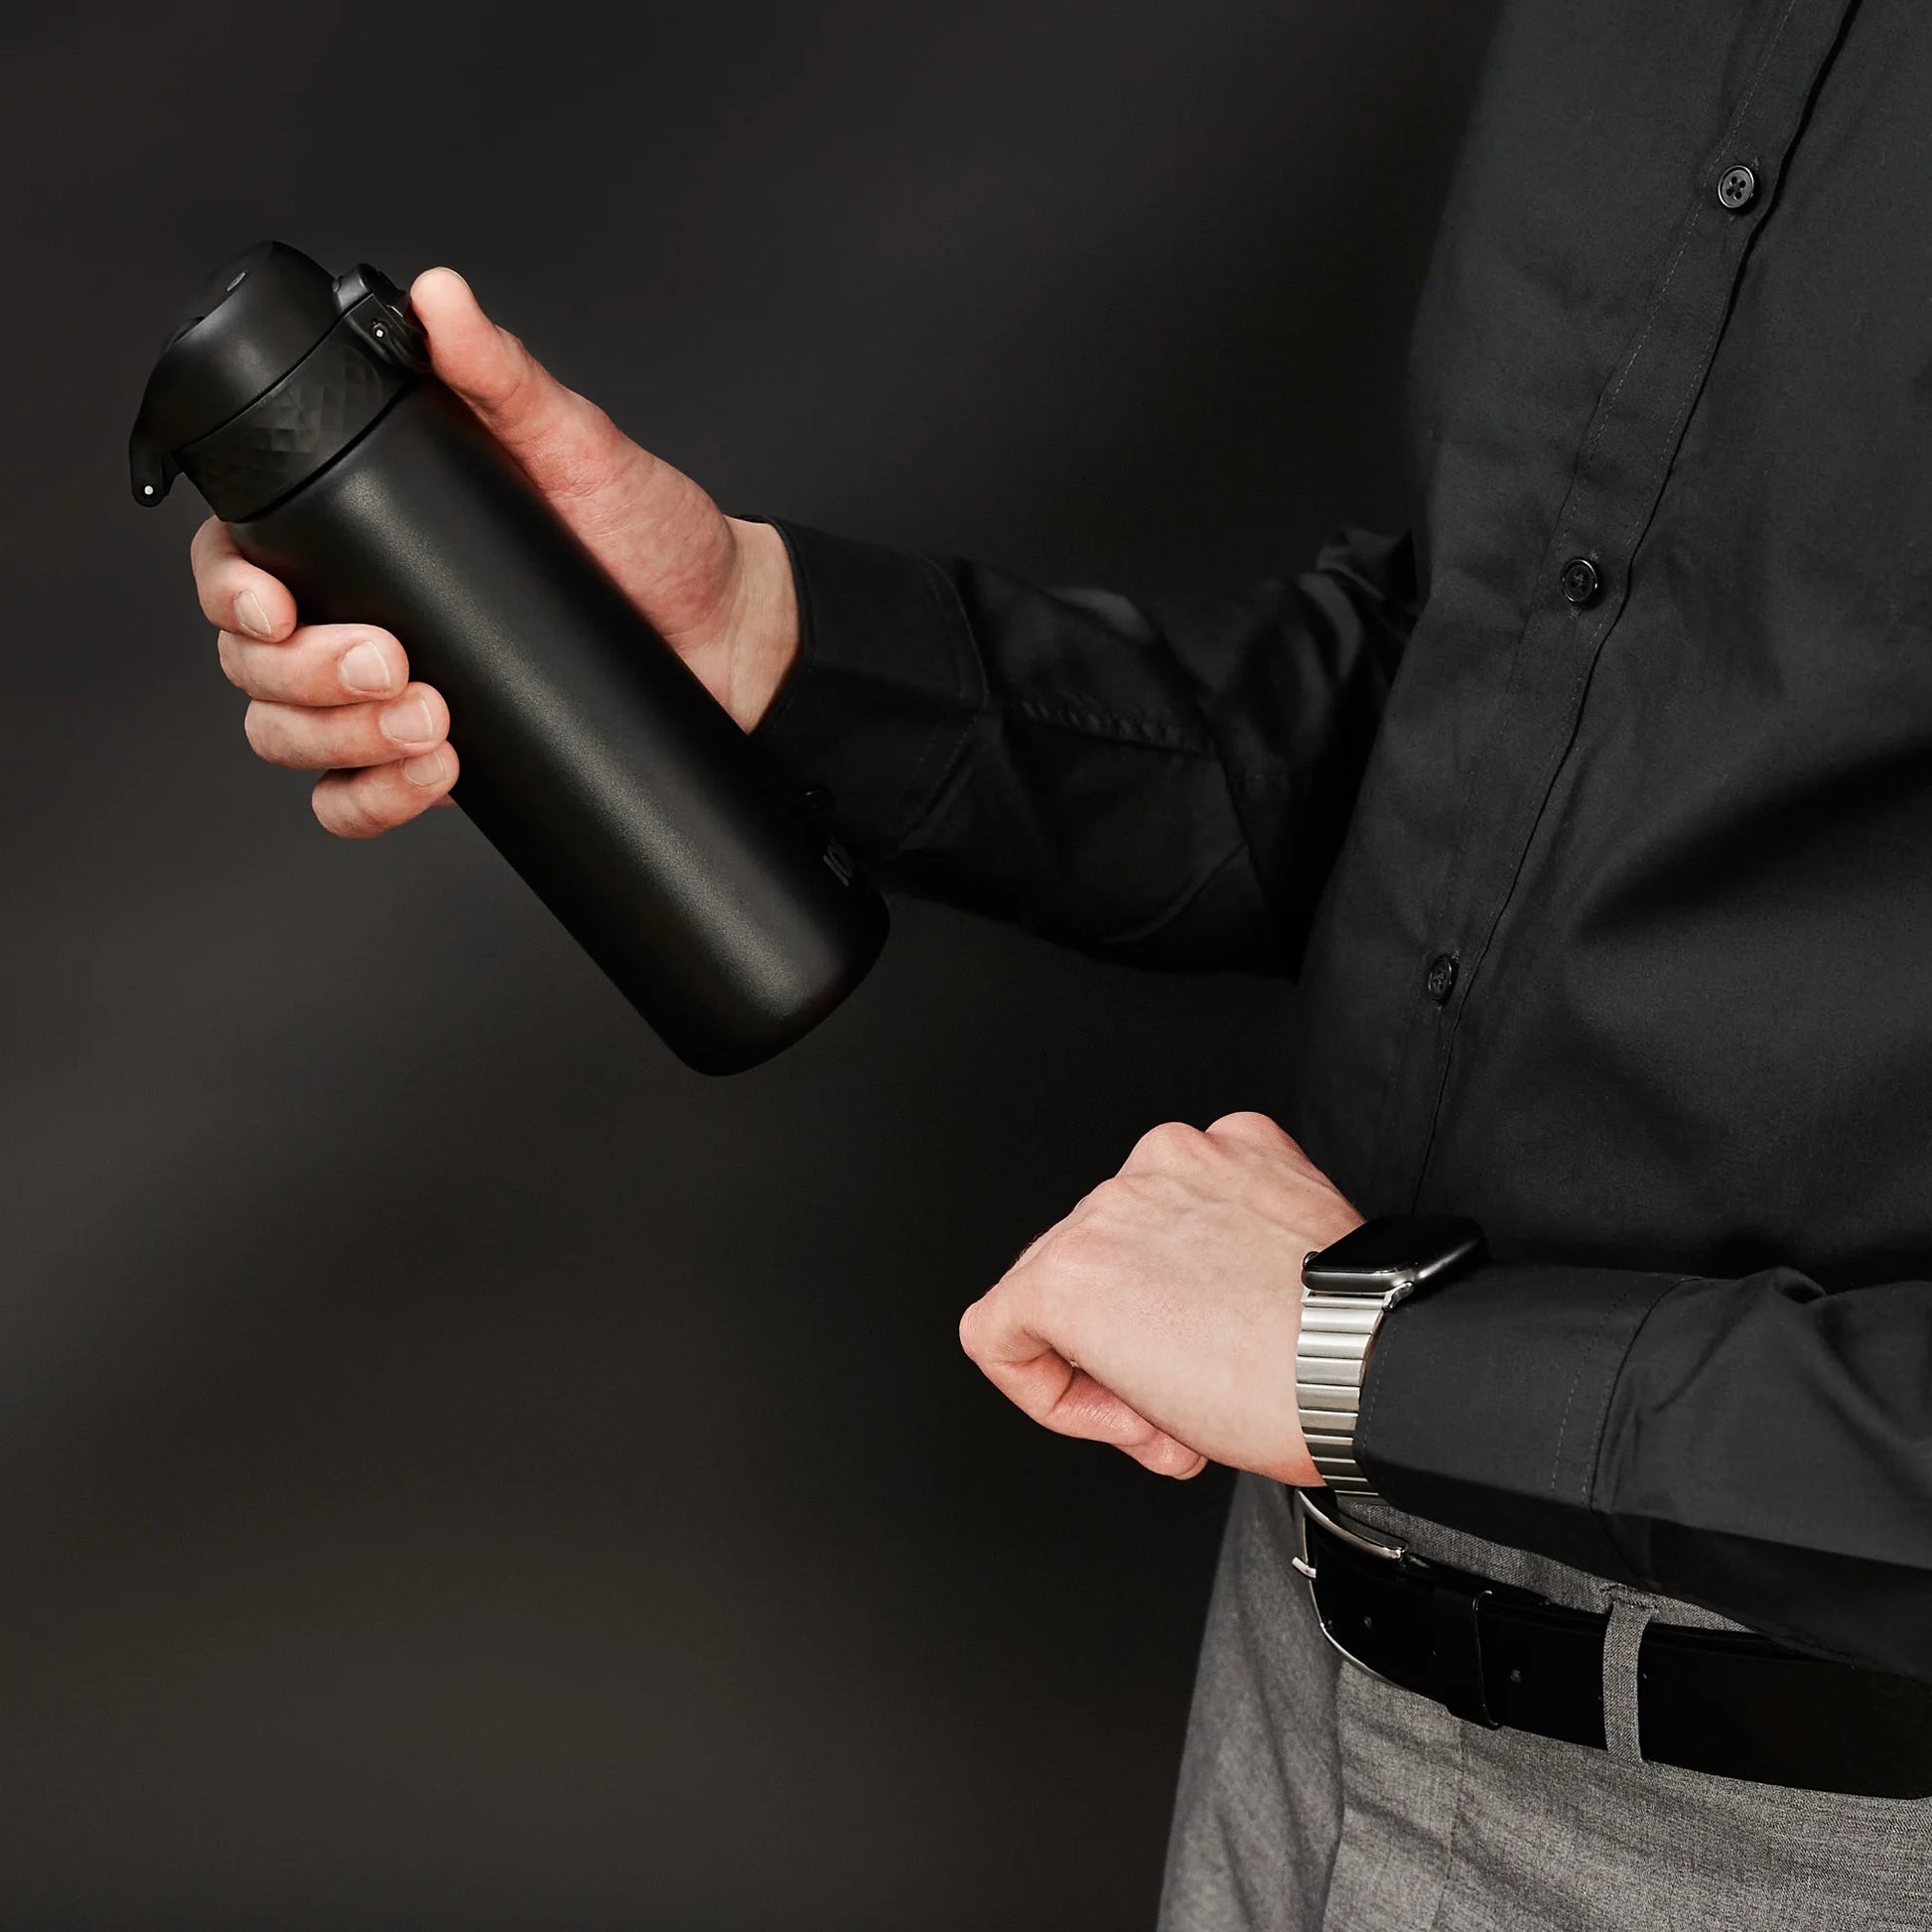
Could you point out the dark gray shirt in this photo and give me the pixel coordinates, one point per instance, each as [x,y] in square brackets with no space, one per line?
[1595,814]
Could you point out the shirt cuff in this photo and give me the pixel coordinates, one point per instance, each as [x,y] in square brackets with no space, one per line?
[1484,1404]
[877,708]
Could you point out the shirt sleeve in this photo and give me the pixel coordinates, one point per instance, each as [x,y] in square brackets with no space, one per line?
[1759,1446]
[1164,781]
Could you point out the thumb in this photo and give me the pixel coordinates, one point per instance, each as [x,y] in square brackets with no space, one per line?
[562,439]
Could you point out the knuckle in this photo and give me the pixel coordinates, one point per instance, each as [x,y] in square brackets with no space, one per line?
[323,803]
[1130,1191]
[342,809]
[1030,1251]
[517,371]
[1067,1255]
[1049,1255]
[1172,1139]
[261,726]
[601,432]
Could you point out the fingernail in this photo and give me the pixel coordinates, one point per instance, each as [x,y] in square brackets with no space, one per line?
[364,668]
[408,722]
[427,770]
[251,615]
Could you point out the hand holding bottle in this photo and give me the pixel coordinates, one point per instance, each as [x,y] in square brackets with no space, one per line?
[337,698]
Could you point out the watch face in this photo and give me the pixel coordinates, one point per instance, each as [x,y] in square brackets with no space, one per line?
[1399,1245]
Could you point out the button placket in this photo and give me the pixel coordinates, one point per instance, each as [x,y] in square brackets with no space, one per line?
[1622,464]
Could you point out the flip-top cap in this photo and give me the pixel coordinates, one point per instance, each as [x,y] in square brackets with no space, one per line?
[254,320]
[275,370]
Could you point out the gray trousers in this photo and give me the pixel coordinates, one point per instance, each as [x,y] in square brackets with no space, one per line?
[1313,1795]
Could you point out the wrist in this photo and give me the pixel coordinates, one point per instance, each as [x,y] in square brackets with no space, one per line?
[764,628]
[1348,1291]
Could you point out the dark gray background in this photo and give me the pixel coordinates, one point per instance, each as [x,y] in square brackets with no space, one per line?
[458,1467]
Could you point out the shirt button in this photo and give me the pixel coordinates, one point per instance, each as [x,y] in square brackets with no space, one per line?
[1580,580]
[1737,189]
[819,799]
[1441,982]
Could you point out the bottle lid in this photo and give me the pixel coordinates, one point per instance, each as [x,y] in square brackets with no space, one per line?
[259,319]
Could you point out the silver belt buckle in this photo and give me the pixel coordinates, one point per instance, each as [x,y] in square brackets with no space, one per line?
[1394,1553]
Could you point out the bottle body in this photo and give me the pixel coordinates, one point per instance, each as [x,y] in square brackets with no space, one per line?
[592,757]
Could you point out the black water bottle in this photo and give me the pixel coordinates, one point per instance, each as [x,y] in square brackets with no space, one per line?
[302,408]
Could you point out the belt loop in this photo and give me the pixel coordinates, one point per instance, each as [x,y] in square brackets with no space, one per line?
[1458,1653]
[1622,1641]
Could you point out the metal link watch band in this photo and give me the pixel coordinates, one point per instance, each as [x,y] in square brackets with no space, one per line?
[1336,1331]
[1347,1289]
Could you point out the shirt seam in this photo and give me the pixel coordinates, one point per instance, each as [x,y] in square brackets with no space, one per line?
[1153,733]
[1569,1401]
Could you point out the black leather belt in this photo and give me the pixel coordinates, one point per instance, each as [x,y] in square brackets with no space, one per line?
[1718,1701]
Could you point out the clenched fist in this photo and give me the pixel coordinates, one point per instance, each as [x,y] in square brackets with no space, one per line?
[1162,1315]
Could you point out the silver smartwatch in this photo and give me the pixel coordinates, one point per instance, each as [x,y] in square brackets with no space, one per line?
[1347,1289]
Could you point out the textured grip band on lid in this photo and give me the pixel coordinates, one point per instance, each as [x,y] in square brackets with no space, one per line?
[312,415]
